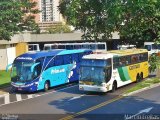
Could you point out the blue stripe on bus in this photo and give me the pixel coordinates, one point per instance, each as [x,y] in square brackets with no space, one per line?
[71,51]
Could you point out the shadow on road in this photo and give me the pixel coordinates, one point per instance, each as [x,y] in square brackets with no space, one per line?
[117,110]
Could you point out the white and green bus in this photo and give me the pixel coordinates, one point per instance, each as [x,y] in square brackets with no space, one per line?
[109,70]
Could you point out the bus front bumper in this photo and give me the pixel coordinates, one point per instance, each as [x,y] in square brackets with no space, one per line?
[92,88]
[31,88]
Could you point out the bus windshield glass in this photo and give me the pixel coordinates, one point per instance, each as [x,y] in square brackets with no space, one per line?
[93,70]
[92,74]
[148,47]
[21,72]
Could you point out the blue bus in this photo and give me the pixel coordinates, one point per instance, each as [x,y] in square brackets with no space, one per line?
[35,71]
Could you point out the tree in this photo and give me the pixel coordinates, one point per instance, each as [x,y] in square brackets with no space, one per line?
[10,16]
[136,20]
[141,21]
[154,64]
[59,29]
[16,16]
[89,16]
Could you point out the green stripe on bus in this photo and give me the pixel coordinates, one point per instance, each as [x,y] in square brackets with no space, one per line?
[126,74]
[120,70]
[123,72]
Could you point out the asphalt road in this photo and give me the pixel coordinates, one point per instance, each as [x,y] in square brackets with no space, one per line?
[63,102]
[144,105]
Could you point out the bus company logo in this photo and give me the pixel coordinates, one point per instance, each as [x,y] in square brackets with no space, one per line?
[24,58]
[57,71]
[134,67]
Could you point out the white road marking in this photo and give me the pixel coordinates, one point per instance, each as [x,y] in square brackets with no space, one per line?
[76,97]
[4,95]
[19,97]
[147,110]
[36,96]
[55,91]
[30,96]
[6,99]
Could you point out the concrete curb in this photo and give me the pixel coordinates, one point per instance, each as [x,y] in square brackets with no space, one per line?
[141,90]
[2,95]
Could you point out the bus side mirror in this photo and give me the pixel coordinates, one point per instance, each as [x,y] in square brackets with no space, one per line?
[8,66]
[33,66]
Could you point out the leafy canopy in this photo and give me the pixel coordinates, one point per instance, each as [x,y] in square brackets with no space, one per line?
[135,20]
[16,16]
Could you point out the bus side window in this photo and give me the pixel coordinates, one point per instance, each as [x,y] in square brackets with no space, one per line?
[39,67]
[69,47]
[115,62]
[122,61]
[101,46]
[75,57]
[77,46]
[108,62]
[67,59]
[37,71]
[128,60]
[61,47]
[141,57]
[134,59]
[93,46]
[80,55]
[145,56]
[58,60]
[108,73]
[49,62]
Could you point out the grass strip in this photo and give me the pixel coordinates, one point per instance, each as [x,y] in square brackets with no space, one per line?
[143,84]
[4,79]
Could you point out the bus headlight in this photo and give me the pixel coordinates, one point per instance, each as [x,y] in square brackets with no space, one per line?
[80,82]
[103,84]
[29,85]
[36,83]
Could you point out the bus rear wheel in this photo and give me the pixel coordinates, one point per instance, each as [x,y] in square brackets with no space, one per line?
[138,78]
[46,86]
[141,76]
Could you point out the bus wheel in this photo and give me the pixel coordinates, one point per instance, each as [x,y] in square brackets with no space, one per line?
[141,76]
[138,78]
[114,86]
[46,86]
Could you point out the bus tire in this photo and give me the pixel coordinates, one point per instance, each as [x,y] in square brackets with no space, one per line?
[138,78]
[114,86]
[141,76]
[46,86]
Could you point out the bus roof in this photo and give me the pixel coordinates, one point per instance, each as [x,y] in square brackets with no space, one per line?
[112,53]
[98,56]
[127,51]
[31,56]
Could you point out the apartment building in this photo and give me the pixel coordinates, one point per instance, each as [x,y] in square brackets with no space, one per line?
[49,10]
[49,14]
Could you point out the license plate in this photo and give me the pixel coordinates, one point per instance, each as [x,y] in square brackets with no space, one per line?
[81,88]
[19,88]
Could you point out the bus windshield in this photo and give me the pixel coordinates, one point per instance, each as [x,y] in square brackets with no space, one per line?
[148,47]
[21,72]
[94,70]
[92,74]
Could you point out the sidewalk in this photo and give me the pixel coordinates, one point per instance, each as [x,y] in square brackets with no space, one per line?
[4,91]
